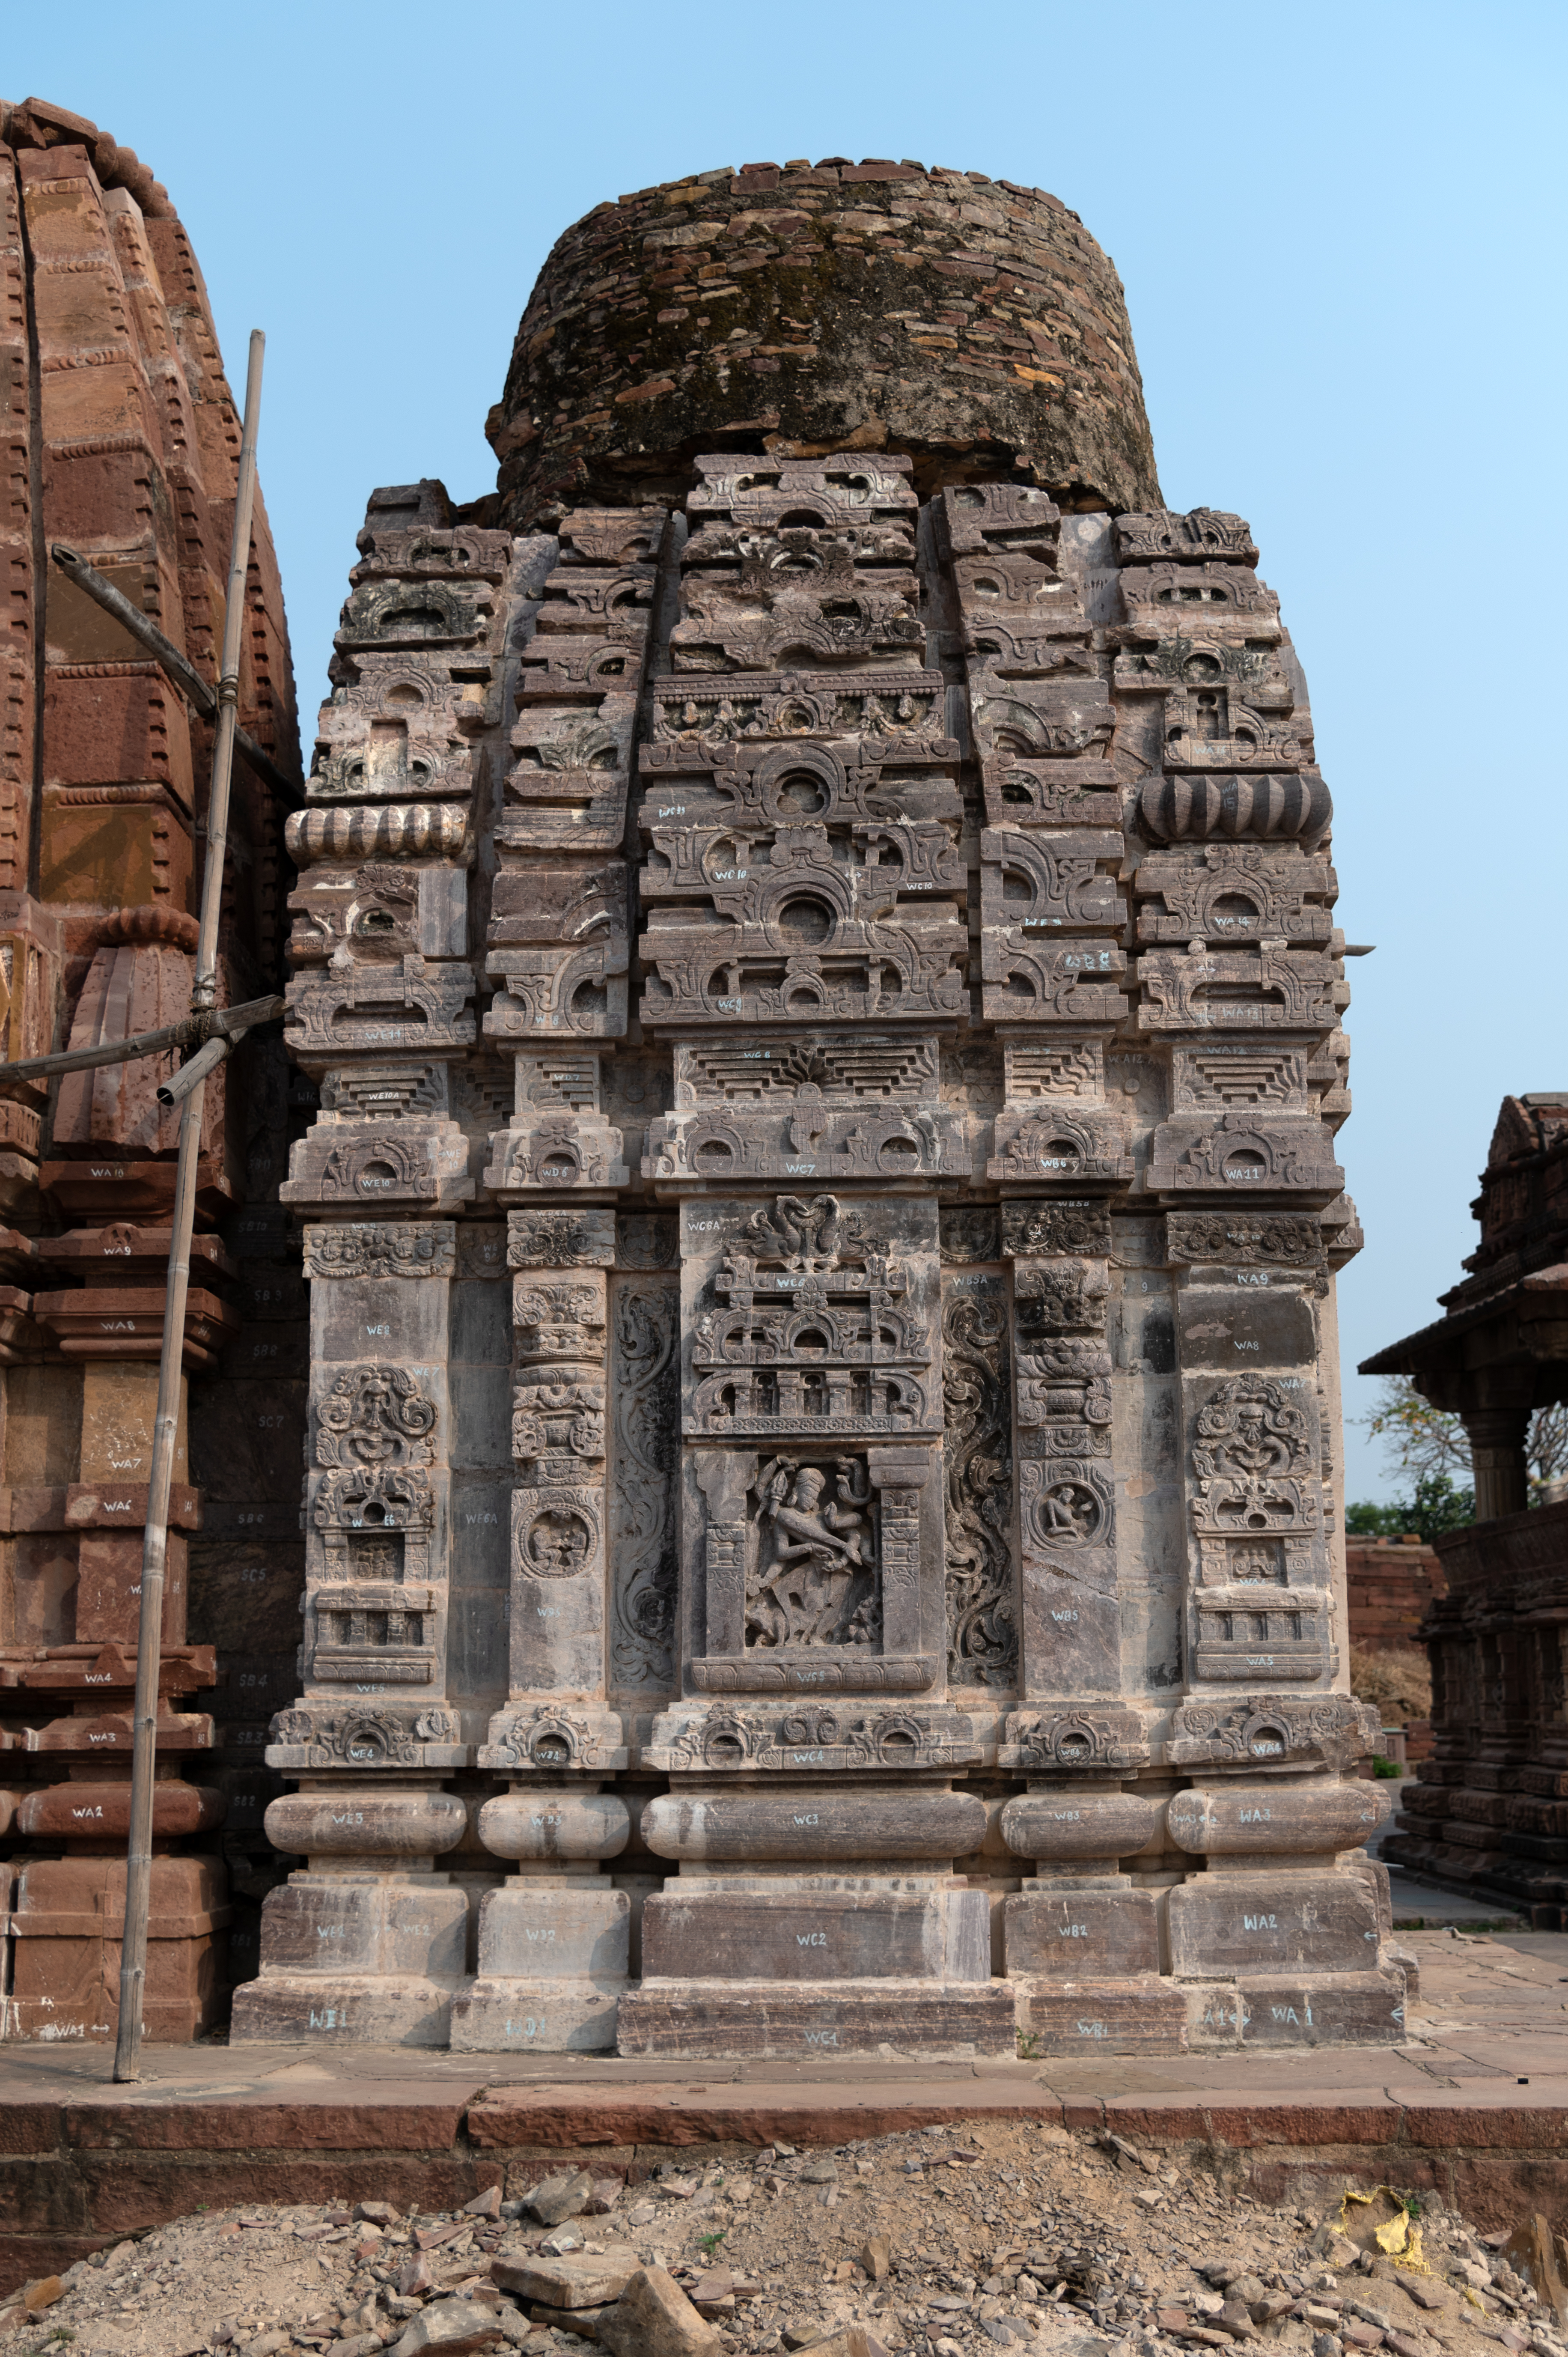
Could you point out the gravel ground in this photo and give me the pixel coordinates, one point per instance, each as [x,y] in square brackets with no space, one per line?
[940,2247]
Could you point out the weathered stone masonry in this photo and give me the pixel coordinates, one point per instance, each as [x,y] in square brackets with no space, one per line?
[119,436]
[814,936]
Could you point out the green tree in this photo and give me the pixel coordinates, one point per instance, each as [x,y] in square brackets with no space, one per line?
[1418,1438]
[1440,1505]
[1369,1521]
[1430,1443]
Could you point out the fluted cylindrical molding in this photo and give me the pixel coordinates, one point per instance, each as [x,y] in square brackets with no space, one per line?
[1294,807]
[550,1826]
[367,1823]
[872,307]
[385,831]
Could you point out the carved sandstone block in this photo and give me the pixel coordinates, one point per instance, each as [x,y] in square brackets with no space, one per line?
[1269,1922]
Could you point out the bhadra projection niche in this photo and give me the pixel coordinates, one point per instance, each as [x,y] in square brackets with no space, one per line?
[818,961]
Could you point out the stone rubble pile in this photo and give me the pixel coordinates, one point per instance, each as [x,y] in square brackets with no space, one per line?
[920,2245]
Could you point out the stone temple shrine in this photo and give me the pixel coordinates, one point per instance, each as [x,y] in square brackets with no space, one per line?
[814,1018]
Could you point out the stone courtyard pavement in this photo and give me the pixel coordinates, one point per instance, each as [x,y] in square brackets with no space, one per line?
[1473,2108]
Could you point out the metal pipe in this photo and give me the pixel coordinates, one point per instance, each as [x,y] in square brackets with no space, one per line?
[175,1089]
[154,1544]
[164,651]
[224,1021]
[204,987]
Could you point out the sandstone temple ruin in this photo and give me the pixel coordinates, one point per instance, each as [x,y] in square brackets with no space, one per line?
[803,1279]
[1490,1812]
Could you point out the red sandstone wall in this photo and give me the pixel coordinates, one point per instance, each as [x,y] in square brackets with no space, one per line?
[120,436]
[1391,1585]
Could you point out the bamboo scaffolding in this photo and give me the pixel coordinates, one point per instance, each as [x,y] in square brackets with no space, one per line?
[225,1022]
[163,650]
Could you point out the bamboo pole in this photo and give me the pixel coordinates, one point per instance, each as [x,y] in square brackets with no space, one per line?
[219,1022]
[178,1086]
[155,1546]
[164,652]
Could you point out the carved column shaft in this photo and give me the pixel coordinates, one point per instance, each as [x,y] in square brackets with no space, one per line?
[1497,1454]
[1072,1622]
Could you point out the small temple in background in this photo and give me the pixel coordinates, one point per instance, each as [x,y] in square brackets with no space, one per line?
[1490,1812]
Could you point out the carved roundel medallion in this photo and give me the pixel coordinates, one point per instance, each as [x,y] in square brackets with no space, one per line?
[558,1543]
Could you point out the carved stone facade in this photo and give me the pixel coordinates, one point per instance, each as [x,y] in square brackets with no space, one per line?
[121,440]
[850,920]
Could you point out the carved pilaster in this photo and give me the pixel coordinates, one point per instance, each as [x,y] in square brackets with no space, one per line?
[1067,1508]
[554,1939]
[982,1542]
[372,1733]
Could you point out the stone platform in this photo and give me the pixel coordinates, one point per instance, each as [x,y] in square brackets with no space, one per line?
[1473,2106]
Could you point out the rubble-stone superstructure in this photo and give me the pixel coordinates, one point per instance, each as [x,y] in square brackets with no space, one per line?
[120,438]
[814,938]
[970,324]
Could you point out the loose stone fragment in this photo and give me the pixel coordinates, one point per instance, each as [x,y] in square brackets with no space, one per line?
[564,2240]
[1429,2295]
[571,2282]
[456,2327]
[653,2317]
[856,2341]
[583,2321]
[1531,2253]
[564,2195]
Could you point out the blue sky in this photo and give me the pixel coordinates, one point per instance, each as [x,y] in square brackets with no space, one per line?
[1341,231]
